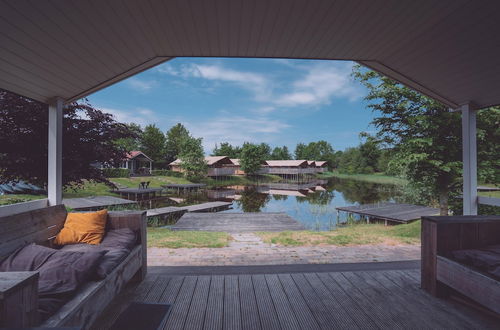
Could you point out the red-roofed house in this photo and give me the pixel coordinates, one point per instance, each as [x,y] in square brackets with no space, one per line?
[138,163]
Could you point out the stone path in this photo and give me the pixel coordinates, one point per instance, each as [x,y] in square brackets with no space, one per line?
[248,249]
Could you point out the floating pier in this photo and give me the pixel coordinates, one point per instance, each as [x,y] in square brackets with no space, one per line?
[174,210]
[95,202]
[237,222]
[394,212]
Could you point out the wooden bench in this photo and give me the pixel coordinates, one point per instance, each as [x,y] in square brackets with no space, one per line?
[441,274]
[40,227]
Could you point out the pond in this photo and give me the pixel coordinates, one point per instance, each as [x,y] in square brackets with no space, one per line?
[312,203]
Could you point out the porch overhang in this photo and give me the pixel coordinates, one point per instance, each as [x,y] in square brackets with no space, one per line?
[66,50]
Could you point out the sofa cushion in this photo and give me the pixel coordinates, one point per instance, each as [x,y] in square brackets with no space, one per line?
[60,271]
[112,257]
[485,259]
[86,227]
[123,238]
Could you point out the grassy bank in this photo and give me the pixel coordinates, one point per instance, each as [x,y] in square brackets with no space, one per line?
[375,178]
[166,238]
[358,234]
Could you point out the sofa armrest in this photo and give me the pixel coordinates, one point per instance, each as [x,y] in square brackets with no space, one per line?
[137,221]
[442,235]
[18,299]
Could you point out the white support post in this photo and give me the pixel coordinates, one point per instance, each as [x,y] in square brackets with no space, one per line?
[469,158]
[54,185]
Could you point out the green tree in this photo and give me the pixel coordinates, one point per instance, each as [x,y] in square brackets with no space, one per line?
[300,151]
[192,158]
[131,143]
[265,150]
[280,153]
[174,137]
[226,149]
[425,135]
[252,158]
[153,143]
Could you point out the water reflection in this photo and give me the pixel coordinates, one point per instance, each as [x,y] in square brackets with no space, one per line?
[312,203]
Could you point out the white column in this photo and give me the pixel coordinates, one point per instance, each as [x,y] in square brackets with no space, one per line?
[469,157]
[54,185]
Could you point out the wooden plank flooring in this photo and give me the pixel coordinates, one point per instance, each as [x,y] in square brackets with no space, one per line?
[237,222]
[388,299]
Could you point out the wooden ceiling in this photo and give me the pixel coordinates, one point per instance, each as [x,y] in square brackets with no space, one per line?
[447,49]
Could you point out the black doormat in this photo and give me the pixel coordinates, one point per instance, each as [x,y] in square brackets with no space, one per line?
[144,316]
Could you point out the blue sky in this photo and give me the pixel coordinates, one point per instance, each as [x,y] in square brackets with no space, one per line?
[278,101]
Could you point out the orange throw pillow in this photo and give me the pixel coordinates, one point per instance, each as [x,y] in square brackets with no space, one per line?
[86,227]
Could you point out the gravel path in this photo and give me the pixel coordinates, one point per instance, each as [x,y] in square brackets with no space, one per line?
[248,249]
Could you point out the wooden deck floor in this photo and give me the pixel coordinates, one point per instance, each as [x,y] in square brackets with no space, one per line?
[237,222]
[379,299]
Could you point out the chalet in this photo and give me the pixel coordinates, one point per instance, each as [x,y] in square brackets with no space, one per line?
[237,167]
[217,166]
[321,166]
[287,167]
[137,162]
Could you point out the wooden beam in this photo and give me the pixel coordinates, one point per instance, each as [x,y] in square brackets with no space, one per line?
[469,158]
[54,184]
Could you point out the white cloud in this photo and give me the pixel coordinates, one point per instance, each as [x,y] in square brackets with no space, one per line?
[236,130]
[140,116]
[258,84]
[322,83]
[141,85]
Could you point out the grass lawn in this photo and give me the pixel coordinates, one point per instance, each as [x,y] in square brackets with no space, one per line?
[18,198]
[166,238]
[375,178]
[495,194]
[357,234]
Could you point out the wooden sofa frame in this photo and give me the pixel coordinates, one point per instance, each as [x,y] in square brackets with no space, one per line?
[441,275]
[40,227]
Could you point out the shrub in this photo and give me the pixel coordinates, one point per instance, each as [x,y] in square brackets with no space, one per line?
[116,172]
[166,173]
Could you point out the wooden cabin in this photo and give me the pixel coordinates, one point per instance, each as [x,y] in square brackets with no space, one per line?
[217,166]
[287,167]
[237,167]
[321,166]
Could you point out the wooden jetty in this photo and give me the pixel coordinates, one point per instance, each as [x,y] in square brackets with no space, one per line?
[394,212]
[203,207]
[237,222]
[95,202]
[137,194]
[184,187]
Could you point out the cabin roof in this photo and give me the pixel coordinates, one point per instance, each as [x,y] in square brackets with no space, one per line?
[136,153]
[286,163]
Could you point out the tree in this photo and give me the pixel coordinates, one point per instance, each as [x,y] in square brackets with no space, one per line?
[89,136]
[153,143]
[174,138]
[300,151]
[131,143]
[265,150]
[252,158]
[192,158]
[426,136]
[281,153]
[226,149]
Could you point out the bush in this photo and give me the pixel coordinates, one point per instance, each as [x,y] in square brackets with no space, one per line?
[116,172]
[166,173]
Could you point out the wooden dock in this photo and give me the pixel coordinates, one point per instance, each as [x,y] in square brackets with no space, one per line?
[400,213]
[237,222]
[137,194]
[95,202]
[203,207]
